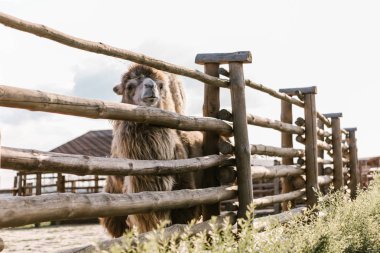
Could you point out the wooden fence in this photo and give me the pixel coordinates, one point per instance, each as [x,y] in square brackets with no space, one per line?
[326,157]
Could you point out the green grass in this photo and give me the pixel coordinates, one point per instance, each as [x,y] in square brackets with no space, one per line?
[341,226]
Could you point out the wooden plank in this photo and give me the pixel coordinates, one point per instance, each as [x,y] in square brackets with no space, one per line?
[333,115]
[311,149]
[353,164]
[38,161]
[211,106]
[242,149]
[102,48]
[224,58]
[303,90]
[264,122]
[92,108]
[75,206]
[337,154]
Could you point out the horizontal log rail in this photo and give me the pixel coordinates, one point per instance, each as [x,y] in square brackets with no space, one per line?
[270,200]
[263,223]
[325,180]
[49,162]
[264,122]
[92,108]
[320,144]
[374,170]
[75,206]
[268,172]
[165,235]
[101,48]
[325,161]
[323,133]
[275,151]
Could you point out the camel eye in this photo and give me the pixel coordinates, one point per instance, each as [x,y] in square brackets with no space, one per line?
[161,86]
[130,87]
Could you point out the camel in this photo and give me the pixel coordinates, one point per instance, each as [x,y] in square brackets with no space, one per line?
[145,86]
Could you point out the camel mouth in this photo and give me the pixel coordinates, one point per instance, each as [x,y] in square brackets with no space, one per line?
[150,100]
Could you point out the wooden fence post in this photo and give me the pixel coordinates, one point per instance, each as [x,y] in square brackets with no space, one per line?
[242,149]
[311,148]
[287,142]
[321,154]
[211,105]
[337,149]
[353,150]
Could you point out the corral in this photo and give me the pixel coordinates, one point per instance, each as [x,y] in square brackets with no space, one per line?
[328,156]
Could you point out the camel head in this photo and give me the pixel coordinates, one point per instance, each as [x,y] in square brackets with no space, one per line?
[142,85]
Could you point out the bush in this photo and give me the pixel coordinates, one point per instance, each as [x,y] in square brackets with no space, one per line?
[340,225]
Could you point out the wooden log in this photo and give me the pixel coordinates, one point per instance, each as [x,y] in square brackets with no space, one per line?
[211,106]
[287,142]
[263,223]
[38,161]
[242,149]
[325,180]
[325,161]
[321,152]
[19,175]
[224,58]
[263,185]
[274,93]
[264,122]
[270,200]
[38,184]
[320,144]
[102,48]
[353,163]
[92,108]
[75,206]
[311,149]
[224,72]
[275,151]
[321,132]
[277,191]
[268,172]
[325,120]
[300,122]
[1,245]
[167,234]
[337,153]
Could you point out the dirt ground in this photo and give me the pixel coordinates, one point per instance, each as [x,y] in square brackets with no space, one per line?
[52,238]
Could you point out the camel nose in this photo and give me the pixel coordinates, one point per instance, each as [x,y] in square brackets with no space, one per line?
[149,83]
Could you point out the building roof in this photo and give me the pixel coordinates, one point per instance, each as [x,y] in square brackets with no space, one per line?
[92,143]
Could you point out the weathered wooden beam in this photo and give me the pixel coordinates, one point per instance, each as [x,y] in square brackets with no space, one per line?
[320,144]
[337,152]
[311,149]
[287,142]
[270,200]
[91,108]
[38,161]
[211,106]
[274,93]
[268,172]
[242,149]
[224,58]
[303,90]
[102,48]
[264,122]
[353,163]
[263,223]
[224,72]
[74,206]
[275,151]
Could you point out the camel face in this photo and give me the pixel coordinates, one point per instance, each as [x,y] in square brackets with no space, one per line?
[141,86]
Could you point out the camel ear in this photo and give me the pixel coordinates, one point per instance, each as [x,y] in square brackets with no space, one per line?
[119,89]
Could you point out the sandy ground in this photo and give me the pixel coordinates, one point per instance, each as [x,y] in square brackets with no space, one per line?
[52,238]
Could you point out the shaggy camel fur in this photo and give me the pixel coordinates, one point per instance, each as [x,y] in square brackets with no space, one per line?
[146,86]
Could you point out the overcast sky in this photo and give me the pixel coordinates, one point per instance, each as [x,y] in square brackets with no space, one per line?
[331,44]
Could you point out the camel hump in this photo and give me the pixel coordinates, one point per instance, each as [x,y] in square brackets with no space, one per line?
[178,93]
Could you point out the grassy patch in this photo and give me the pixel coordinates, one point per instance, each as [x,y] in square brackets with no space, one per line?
[341,225]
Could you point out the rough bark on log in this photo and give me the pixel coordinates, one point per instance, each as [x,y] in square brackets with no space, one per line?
[264,122]
[275,151]
[91,108]
[270,200]
[102,48]
[38,161]
[268,172]
[72,206]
